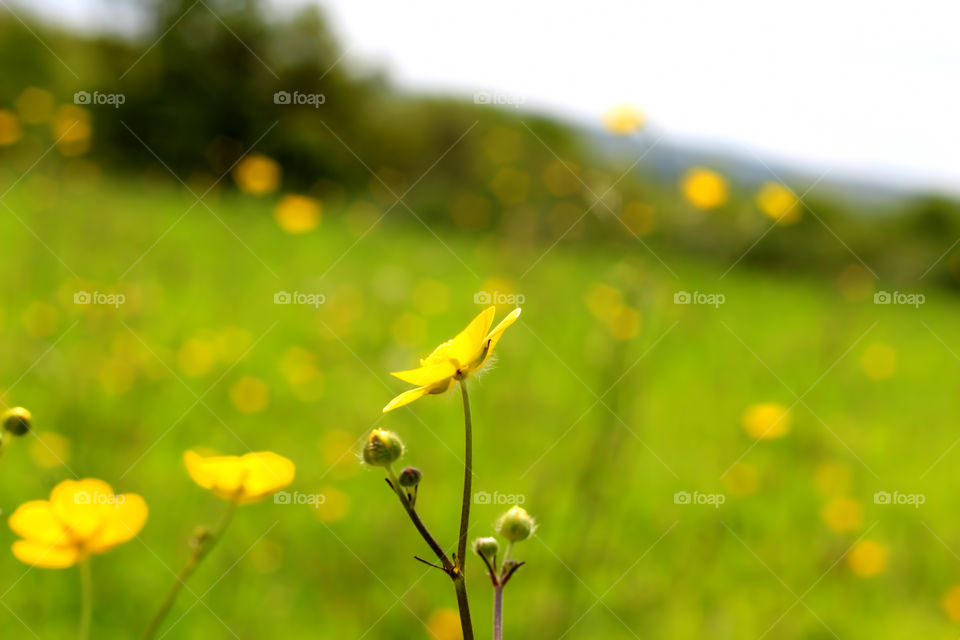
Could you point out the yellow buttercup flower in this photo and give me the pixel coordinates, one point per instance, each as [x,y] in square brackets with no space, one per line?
[82,517]
[242,479]
[703,188]
[454,359]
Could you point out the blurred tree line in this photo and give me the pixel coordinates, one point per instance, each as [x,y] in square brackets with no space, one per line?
[209,81]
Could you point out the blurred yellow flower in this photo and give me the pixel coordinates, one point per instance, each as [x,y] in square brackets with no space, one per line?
[703,188]
[73,130]
[842,515]
[444,624]
[196,357]
[335,504]
[297,214]
[40,319]
[257,174]
[242,479]
[879,361]
[49,449]
[510,185]
[82,517]
[779,203]
[624,119]
[766,421]
[868,558]
[250,395]
[454,359]
[951,603]
[35,105]
[10,130]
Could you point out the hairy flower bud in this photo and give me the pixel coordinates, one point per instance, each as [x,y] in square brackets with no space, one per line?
[516,525]
[410,477]
[16,420]
[486,547]
[382,449]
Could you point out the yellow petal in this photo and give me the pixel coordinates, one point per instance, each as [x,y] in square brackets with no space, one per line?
[425,376]
[494,336]
[466,347]
[222,474]
[405,398]
[123,520]
[45,555]
[265,473]
[79,504]
[38,521]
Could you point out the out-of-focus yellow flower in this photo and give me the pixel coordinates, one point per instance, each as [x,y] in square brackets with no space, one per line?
[35,105]
[856,283]
[197,357]
[868,558]
[40,319]
[703,188]
[511,185]
[454,359]
[606,304]
[242,479]
[82,517]
[832,478]
[624,119]
[842,515]
[73,130]
[879,361]
[639,218]
[257,174]
[444,624]
[741,480]
[779,203]
[335,504]
[430,297]
[10,129]
[951,603]
[49,449]
[297,214]
[766,421]
[250,395]
[562,178]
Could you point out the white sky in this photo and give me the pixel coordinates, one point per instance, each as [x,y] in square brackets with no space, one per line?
[865,88]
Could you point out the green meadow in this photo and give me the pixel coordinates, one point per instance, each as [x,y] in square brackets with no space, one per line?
[607,399]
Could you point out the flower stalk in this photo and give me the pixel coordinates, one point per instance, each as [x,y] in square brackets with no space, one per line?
[202,542]
[86,599]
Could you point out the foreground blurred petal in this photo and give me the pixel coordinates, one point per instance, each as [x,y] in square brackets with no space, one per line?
[44,555]
[123,520]
[265,473]
[38,521]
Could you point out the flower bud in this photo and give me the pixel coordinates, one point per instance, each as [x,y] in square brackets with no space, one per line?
[383,448]
[16,420]
[516,525]
[486,548]
[410,477]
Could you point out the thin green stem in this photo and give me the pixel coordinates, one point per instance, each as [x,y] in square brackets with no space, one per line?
[498,612]
[201,548]
[467,478]
[418,523]
[459,582]
[86,599]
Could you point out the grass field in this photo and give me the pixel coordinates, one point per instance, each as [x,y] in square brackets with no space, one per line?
[595,428]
